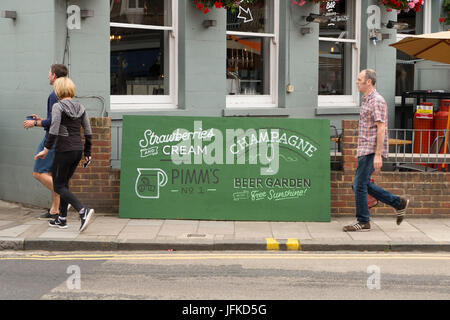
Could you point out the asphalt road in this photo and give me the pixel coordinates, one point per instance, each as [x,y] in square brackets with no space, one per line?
[225,275]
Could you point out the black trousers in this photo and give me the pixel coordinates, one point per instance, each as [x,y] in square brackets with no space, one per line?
[64,166]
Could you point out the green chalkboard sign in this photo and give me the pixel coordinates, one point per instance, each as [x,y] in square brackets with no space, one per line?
[225,169]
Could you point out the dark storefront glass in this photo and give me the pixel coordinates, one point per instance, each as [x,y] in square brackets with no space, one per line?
[248,65]
[138,66]
[146,12]
[340,22]
[336,57]
[248,56]
[404,73]
[408,18]
[333,68]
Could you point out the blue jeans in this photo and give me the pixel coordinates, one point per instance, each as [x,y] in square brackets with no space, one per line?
[362,187]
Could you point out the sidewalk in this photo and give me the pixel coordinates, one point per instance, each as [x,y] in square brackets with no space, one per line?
[21,230]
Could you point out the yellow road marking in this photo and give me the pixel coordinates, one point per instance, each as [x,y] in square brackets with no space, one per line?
[267,256]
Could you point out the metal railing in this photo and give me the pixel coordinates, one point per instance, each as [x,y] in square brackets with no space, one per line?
[419,149]
[409,150]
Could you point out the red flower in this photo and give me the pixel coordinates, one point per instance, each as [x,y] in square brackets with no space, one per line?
[218,4]
[441,19]
[206,11]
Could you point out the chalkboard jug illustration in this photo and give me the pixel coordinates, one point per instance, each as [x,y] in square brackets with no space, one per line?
[148,183]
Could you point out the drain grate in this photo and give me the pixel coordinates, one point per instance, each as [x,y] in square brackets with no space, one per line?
[193,235]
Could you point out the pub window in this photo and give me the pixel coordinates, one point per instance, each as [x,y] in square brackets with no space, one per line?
[412,23]
[143,52]
[252,54]
[338,51]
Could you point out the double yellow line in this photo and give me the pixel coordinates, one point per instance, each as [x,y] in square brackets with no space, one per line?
[229,256]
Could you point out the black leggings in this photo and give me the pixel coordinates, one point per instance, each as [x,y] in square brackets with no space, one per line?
[64,166]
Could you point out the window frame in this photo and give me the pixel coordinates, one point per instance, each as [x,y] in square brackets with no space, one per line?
[261,101]
[148,102]
[353,100]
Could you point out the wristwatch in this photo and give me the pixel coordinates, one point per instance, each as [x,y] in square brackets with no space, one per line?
[35,123]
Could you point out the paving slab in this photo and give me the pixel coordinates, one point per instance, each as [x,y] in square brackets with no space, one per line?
[14,231]
[173,228]
[327,230]
[139,232]
[21,230]
[433,229]
[286,230]
[216,228]
[252,230]
[72,232]
[403,232]
[5,222]
[104,226]
[145,222]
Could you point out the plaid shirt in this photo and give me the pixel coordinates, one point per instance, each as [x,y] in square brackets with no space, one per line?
[373,109]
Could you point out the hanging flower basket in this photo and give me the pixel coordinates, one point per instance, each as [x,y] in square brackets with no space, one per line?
[446,18]
[402,5]
[206,5]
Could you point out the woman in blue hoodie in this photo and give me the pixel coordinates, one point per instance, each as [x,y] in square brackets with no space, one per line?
[68,116]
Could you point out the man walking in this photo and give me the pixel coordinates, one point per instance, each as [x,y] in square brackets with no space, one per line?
[42,167]
[372,147]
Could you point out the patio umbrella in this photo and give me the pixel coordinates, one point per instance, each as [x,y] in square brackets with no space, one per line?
[431,46]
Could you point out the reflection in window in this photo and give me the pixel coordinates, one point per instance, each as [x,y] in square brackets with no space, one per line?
[334,67]
[137,62]
[248,54]
[341,23]
[246,66]
[404,76]
[140,57]
[257,17]
[336,56]
[147,12]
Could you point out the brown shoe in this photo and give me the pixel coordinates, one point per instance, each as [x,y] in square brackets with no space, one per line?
[357,227]
[401,210]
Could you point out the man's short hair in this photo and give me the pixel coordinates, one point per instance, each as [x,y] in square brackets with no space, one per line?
[64,88]
[371,75]
[59,70]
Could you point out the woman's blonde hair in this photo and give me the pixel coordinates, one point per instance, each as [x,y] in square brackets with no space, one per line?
[64,88]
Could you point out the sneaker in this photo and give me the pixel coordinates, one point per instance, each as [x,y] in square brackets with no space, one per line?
[357,227]
[401,210]
[58,223]
[48,216]
[86,218]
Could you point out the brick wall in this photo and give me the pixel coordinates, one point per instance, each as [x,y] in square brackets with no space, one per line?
[98,186]
[429,192]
